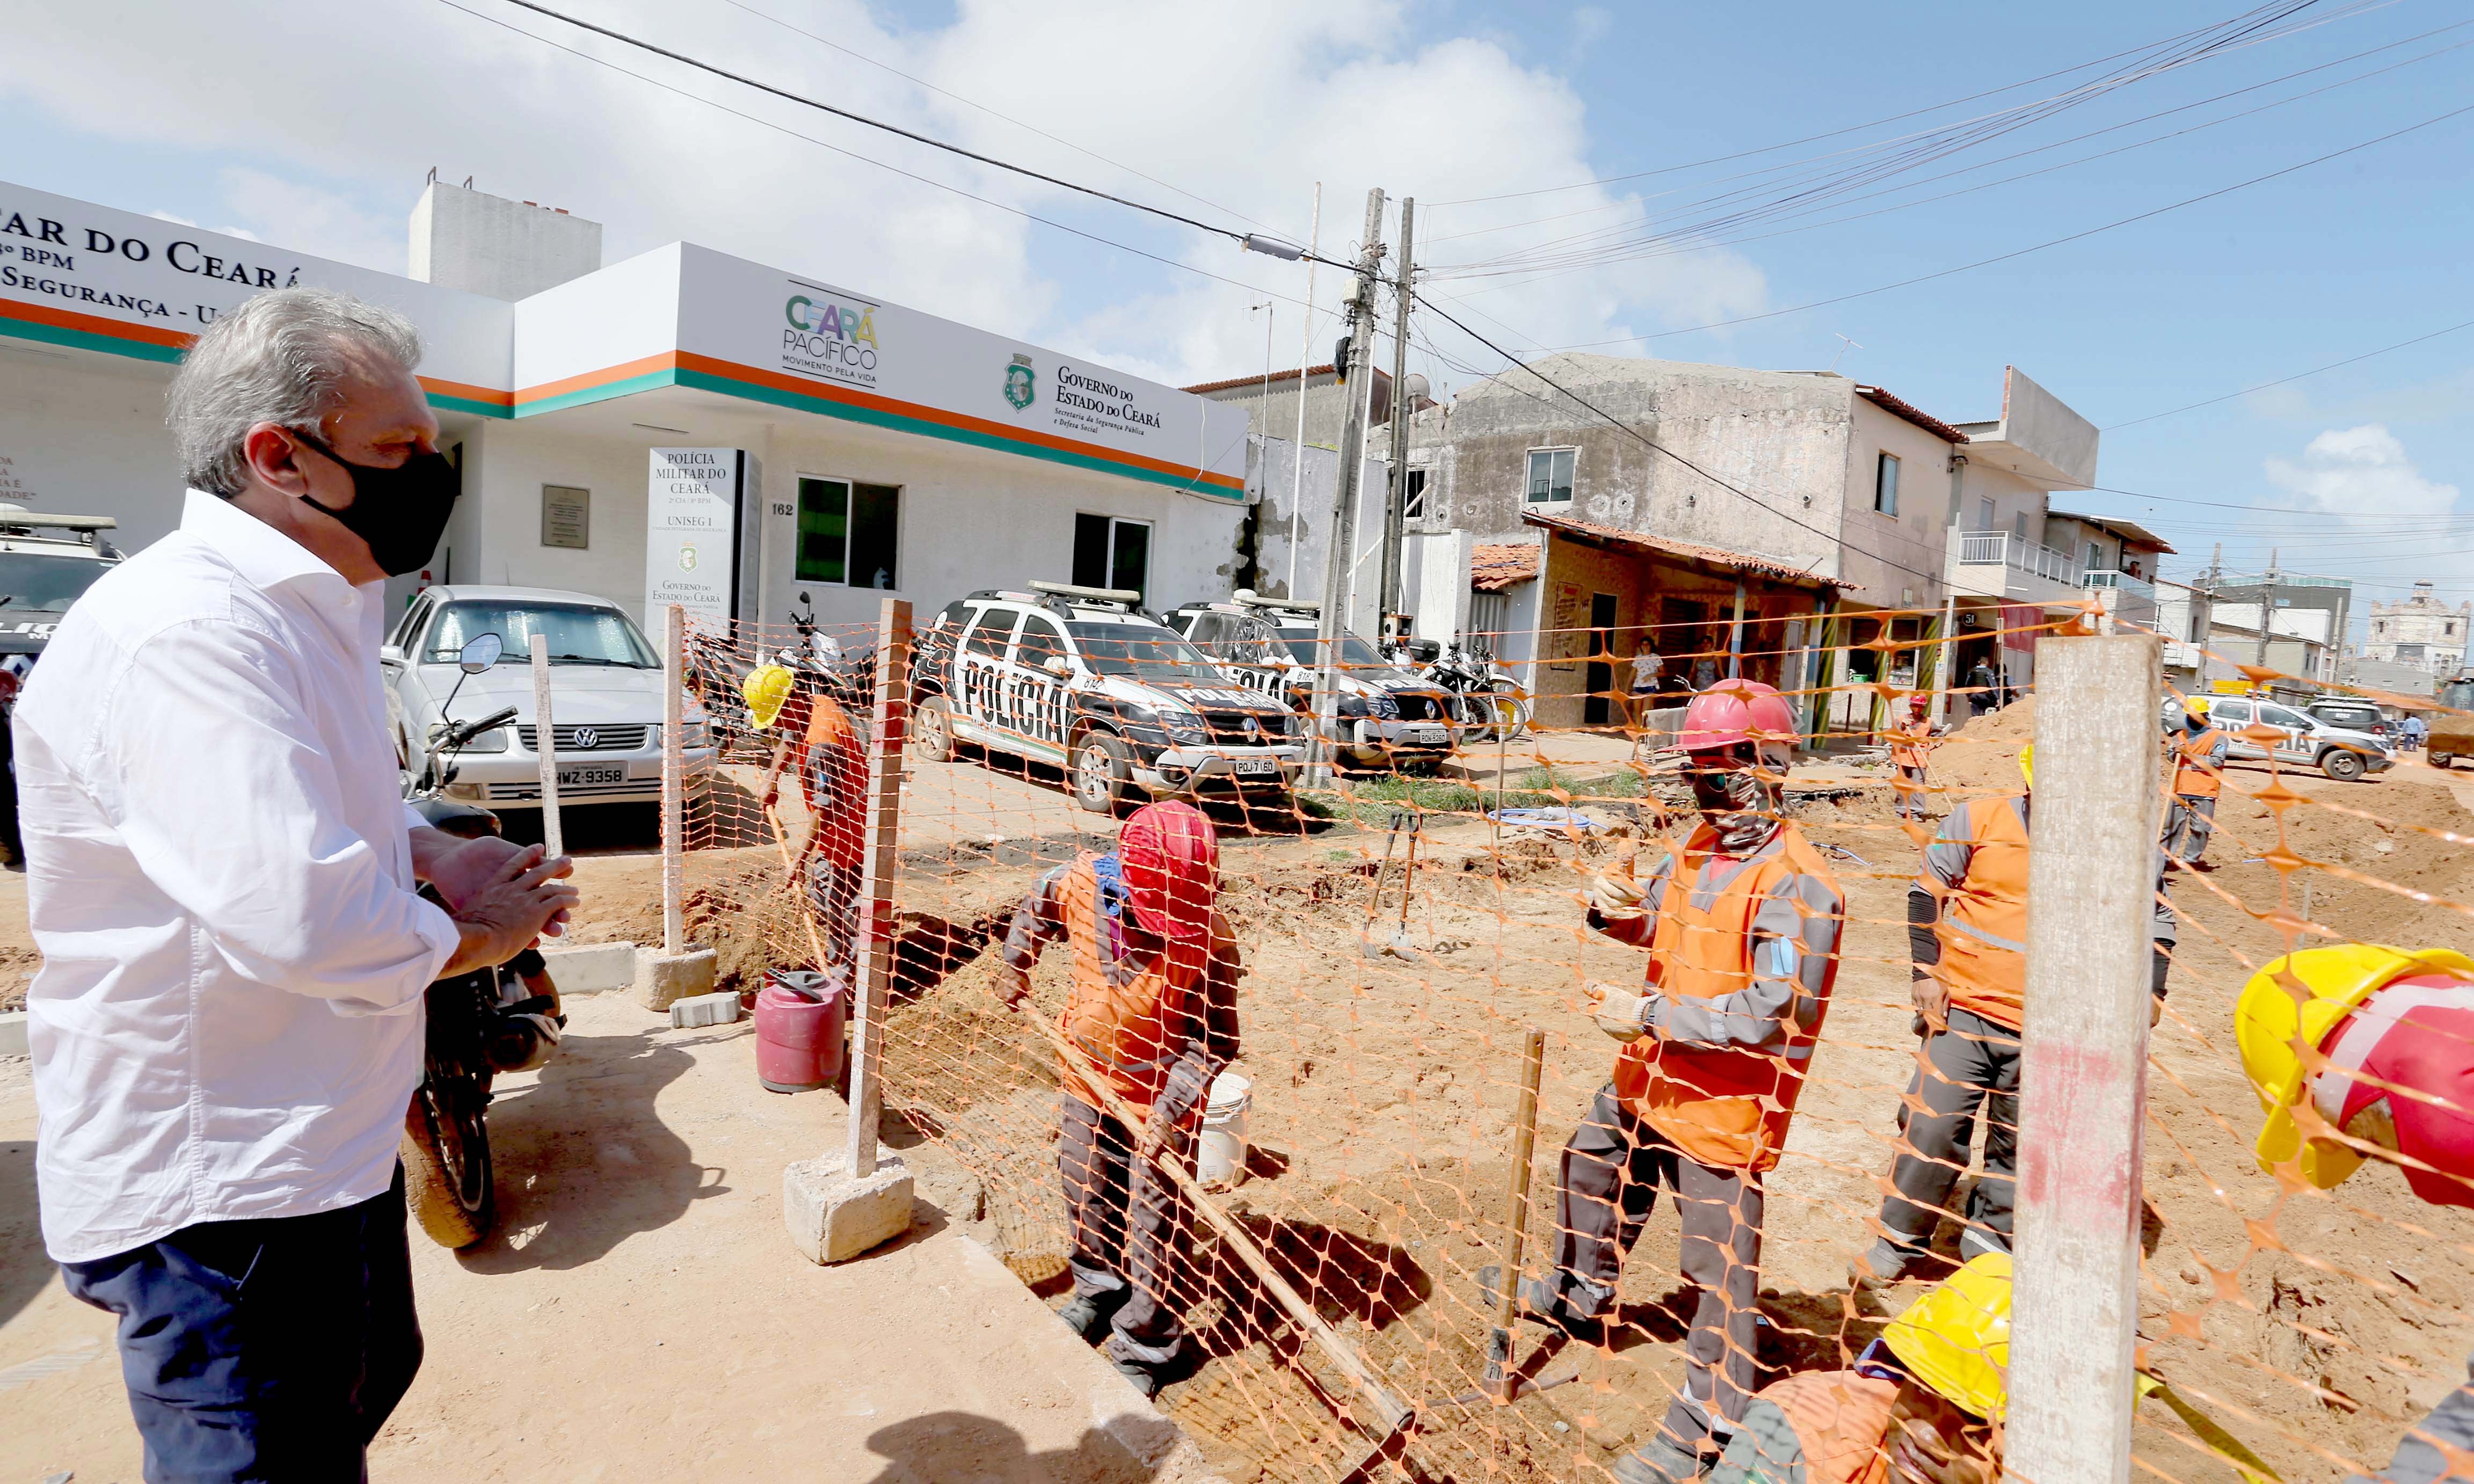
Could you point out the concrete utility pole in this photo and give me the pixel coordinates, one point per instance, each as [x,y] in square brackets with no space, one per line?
[1344,510]
[2266,608]
[1305,363]
[1396,504]
[2092,900]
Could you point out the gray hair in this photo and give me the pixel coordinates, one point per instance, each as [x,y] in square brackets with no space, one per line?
[278,359]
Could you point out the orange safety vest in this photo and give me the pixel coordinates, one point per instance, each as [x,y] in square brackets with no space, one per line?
[1123,1031]
[2193,775]
[1725,1106]
[1842,1423]
[1909,742]
[836,757]
[1983,926]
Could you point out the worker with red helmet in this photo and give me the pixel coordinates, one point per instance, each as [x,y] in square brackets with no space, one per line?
[1967,941]
[1741,921]
[1152,1014]
[2361,1053]
[1911,740]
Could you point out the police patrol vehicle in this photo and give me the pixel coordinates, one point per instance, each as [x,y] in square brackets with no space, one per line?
[1084,679]
[1389,718]
[45,561]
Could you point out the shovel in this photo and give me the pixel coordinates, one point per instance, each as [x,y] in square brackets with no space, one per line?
[1400,945]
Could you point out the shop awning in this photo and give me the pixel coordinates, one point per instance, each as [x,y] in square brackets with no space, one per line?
[1730,562]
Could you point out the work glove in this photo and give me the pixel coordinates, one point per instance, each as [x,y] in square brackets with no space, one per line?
[1613,896]
[1619,1012]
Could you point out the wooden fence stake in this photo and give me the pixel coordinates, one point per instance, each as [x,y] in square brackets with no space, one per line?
[875,977]
[674,932]
[1500,1382]
[546,745]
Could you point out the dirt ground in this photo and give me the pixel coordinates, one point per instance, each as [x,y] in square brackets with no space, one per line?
[2311,1326]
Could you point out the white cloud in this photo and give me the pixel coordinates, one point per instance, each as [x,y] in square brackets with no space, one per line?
[2360,470]
[1244,107]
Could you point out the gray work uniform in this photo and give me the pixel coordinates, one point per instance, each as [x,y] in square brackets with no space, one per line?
[1122,1211]
[2417,1460]
[1607,1181]
[1970,1066]
[2192,817]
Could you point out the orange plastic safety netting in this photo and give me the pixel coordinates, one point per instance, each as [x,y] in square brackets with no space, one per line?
[1399,928]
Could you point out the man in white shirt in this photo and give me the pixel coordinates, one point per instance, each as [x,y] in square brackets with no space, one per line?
[227,1028]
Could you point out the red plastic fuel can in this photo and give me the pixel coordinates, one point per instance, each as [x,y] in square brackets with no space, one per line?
[802,1021]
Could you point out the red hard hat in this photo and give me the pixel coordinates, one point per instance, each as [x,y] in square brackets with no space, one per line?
[1736,711]
[1170,856]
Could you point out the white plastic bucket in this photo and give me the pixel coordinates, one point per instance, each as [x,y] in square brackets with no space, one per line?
[1220,1155]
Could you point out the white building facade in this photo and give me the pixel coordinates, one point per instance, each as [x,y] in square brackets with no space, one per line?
[896,453]
[2420,631]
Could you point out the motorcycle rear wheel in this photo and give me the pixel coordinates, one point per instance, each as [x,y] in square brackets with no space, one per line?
[447,1176]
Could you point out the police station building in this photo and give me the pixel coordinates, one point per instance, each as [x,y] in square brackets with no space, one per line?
[865,449]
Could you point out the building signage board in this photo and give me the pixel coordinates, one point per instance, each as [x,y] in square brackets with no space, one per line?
[901,368]
[72,273]
[567,517]
[699,534]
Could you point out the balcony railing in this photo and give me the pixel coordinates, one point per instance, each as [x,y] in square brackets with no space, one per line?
[2125,582]
[2002,549]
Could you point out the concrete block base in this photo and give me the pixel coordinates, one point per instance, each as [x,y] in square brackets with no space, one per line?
[663,979]
[12,1034]
[704,1010]
[832,1216]
[590,968]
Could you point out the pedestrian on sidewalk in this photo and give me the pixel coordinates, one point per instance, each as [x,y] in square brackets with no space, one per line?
[1646,670]
[1152,1014]
[227,1028]
[1967,944]
[1911,740]
[2199,778]
[1741,921]
[822,748]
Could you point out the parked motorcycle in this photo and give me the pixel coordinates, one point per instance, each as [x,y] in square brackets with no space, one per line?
[1489,703]
[478,1025]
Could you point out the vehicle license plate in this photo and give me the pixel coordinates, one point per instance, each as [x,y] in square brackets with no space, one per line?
[586,777]
[1257,767]
[1427,737]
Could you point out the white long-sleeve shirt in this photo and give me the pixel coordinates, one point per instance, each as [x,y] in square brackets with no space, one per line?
[228,1019]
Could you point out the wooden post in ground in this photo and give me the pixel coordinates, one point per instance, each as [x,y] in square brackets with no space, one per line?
[1501,1380]
[875,976]
[674,646]
[2084,1084]
[546,745]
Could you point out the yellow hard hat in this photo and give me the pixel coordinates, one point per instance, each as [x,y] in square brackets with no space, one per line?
[1956,1340]
[767,686]
[2269,1018]
[2195,705]
[2027,764]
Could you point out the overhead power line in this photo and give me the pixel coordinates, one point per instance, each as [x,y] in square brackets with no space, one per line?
[2296,377]
[2003,257]
[1286,250]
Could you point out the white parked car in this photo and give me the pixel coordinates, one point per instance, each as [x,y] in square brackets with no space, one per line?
[605,696]
[2340,752]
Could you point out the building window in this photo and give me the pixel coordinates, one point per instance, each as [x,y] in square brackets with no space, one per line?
[2019,524]
[849,533]
[1550,476]
[1984,515]
[1413,496]
[1490,615]
[1885,483]
[2095,557]
[1110,552]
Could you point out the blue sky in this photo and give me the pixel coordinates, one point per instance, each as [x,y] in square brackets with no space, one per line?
[1233,114]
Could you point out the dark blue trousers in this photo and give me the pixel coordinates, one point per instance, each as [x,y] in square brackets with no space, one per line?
[264,1349]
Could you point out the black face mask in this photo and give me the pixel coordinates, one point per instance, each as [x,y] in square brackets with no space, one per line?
[399,512]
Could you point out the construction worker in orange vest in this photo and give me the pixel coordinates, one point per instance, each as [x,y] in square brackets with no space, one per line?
[1911,740]
[1921,1402]
[2390,1078]
[823,749]
[2199,778]
[1152,1014]
[1967,944]
[1741,921]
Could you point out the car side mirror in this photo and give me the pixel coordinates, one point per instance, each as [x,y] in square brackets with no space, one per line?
[1059,665]
[479,653]
[390,654]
